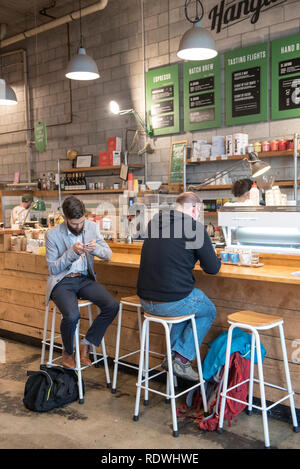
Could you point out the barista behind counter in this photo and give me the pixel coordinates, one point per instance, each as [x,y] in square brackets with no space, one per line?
[241,190]
[21,212]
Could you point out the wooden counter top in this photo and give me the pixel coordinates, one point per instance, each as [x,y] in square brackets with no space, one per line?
[266,273]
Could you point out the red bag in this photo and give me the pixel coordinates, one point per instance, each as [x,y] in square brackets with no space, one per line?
[239,371]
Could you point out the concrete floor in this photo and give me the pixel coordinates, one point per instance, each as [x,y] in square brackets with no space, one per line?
[104,421]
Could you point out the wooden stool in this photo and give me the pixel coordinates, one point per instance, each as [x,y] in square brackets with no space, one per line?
[166,322]
[255,322]
[52,345]
[130,301]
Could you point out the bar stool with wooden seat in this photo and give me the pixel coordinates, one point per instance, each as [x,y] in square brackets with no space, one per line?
[167,323]
[135,302]
[51,343]
[255,322]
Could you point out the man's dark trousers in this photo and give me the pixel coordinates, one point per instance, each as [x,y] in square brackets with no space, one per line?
[66,294]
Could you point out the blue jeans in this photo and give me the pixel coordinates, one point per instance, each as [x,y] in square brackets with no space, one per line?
[182,339]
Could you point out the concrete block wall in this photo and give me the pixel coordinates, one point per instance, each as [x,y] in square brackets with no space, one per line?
[114,38]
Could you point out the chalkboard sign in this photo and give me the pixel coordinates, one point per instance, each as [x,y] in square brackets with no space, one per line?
[202,94]
[176,162]
[246,75]
[162,99]
[286,77]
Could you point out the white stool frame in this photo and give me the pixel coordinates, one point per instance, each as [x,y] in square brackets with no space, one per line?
[118,359]
[255,341]
[144,355]
[78,368]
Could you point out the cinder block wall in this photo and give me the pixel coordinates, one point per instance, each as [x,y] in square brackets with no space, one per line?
[113,37]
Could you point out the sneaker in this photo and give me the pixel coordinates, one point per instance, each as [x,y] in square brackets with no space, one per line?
[164,364]
[184,370]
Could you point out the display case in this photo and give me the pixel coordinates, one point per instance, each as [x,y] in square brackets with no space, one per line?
[264,229]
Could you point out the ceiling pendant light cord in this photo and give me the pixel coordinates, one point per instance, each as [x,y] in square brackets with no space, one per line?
[80,26]
[197,4]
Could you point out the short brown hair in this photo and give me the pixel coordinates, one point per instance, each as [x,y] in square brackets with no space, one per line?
[188,198]
[241,186]
[73,208]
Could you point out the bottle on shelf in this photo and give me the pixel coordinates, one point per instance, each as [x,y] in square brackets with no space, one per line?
[44,182]
[62,183]
[130,181]
[254,194]
[84,182]
[39,184]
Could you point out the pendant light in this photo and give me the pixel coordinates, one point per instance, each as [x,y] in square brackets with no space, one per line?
[7,94]
[82,66]
[197,43]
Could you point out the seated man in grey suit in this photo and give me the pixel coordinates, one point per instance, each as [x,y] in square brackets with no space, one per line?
[70,250]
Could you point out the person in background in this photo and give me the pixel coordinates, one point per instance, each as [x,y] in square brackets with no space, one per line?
[241,190]
[70,250]
[174,243]
[20,212]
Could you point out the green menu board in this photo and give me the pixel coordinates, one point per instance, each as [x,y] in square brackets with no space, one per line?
[246,84]
[286,77]
[162,99]
[202,94]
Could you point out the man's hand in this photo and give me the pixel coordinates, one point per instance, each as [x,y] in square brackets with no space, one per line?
[78,247]
[91,246]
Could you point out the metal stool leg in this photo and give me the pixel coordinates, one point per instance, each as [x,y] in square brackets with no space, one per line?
[288,379]
[171,381]
[117,352]
[52,336]
[251,376]
[203,394]
[225,378]
[104,354]
[146,373]
[78,365]
[262,389]
[91,322]
[45,334]
[141,366]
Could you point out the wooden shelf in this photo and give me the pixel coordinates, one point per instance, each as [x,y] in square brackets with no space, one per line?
[216,187]
[100,168]
[263,154]
[96,191]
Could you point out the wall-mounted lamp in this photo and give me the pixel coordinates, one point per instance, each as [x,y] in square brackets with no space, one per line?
[7,94]
[115,109]
[82,66]
[197,43]
[257,167]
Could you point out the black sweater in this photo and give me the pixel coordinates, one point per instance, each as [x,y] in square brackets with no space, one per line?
[167,262]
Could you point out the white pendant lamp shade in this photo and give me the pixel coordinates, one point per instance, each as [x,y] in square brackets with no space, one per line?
[197,44]
[82,67]
[7,94]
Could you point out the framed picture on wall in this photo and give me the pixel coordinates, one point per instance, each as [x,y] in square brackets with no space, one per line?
[84,161]
[176,169]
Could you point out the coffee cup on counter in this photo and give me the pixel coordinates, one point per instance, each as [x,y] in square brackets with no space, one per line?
[234,257]
[224,256]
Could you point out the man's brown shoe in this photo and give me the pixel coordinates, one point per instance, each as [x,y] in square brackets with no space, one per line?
[84,354]
[68,360]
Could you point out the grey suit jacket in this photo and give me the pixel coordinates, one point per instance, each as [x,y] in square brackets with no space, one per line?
[60,255]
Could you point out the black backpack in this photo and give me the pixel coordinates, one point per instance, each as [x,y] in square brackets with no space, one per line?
[50,388]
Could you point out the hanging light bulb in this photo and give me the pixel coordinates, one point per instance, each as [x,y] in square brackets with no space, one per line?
[7,94]
[197,43]
[82,66]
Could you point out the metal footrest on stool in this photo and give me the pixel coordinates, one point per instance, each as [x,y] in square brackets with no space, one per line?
[79,367]
[254,322]
[119,360]
[144,356]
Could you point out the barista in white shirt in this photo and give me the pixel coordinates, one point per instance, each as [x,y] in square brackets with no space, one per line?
[19,213]
[241,190]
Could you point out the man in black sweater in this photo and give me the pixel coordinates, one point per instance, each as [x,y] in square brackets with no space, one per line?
[175,241]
